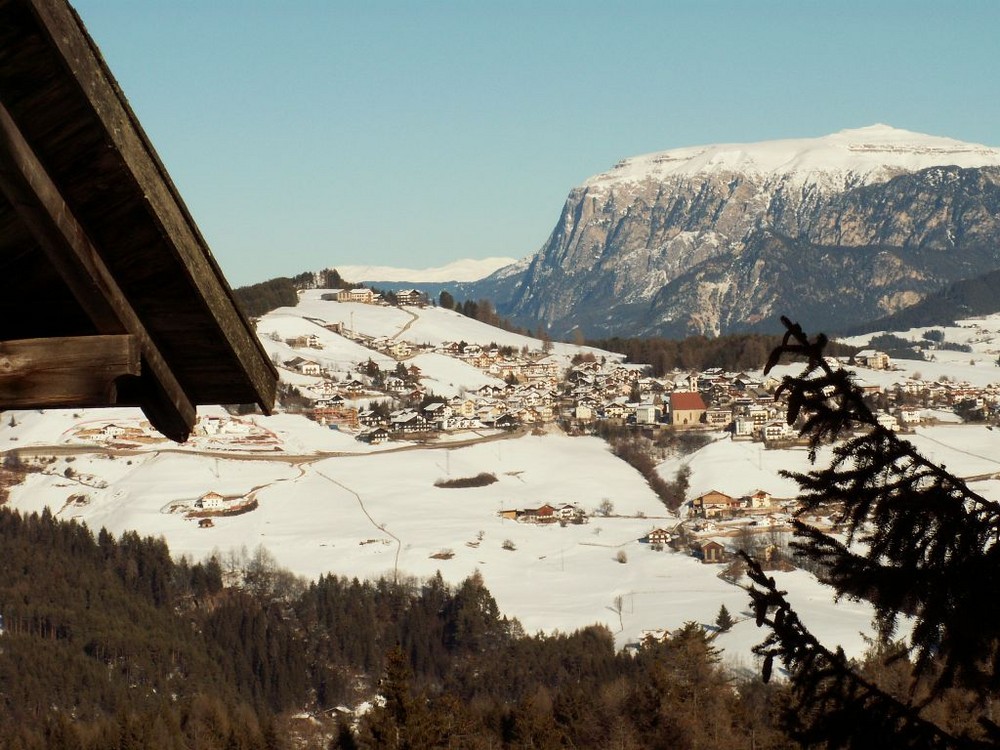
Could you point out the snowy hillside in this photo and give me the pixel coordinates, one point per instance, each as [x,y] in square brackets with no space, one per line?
[322,502]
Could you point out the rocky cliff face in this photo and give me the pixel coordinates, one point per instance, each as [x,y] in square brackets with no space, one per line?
[830,231]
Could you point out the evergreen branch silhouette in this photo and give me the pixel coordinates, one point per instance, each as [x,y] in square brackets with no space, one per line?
[919,543]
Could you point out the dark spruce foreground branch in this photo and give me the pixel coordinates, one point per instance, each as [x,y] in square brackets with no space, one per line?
[918,544]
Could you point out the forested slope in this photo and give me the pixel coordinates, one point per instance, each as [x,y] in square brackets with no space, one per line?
[111,643]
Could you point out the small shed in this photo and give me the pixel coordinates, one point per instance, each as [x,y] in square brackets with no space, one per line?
[712,552]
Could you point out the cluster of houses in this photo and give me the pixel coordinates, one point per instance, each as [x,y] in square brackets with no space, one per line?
[366,296]
[717,524]
[715,504]
[562,513]
[536,388]
[209,426]
[113,433]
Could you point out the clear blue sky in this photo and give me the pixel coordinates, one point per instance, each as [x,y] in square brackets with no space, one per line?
[312,133]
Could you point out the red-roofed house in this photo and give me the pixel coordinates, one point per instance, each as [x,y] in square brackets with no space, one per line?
[686,409]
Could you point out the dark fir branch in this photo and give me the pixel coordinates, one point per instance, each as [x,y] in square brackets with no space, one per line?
[919,543]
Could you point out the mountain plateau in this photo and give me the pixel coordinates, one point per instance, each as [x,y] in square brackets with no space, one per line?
[832,231]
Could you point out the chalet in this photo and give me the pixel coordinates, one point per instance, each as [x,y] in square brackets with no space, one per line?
[714,504]
[615,411]
[462,423]
[507,369]
[375,436]
[437,410]
[659,536]
[584,411]
[303,366]
[337,416]
[873,359]
[409,422]
[544,369]
[526,416]
[465,407]
[400,350]
[543,413]
[503,422]
[333,401]
[686,409]
[370,418]
[544,514]
[205,523]
[744,427]
[717,417]
[760,499]
[119,300]
[211,501]
[744,383]
[396,385]
[411,297]
[888,421]
[362,294]
[777,430]
[569,512]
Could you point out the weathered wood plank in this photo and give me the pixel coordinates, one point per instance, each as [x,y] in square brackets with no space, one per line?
[167,208]
[37,199]
[67,372]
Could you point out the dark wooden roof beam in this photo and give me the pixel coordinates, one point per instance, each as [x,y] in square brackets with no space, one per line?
[67,372]
[37,199]
[167,209]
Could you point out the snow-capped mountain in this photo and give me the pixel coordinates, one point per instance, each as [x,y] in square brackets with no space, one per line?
[710,239]
[460,270]
[833,162]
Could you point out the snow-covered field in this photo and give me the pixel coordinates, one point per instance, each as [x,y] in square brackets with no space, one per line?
[380,514]
[327,503]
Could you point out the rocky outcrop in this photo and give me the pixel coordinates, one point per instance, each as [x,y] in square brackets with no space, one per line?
[831,231]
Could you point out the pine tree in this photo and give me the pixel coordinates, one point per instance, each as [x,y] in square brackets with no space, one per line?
[724,621]
[919,542]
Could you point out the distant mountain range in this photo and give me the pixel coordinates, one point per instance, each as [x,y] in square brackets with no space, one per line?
[860,230]
[834,231]
[460,270]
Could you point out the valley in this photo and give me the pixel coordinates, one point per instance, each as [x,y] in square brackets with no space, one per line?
[322,501]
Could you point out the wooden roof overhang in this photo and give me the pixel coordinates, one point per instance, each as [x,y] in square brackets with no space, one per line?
[109,294]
